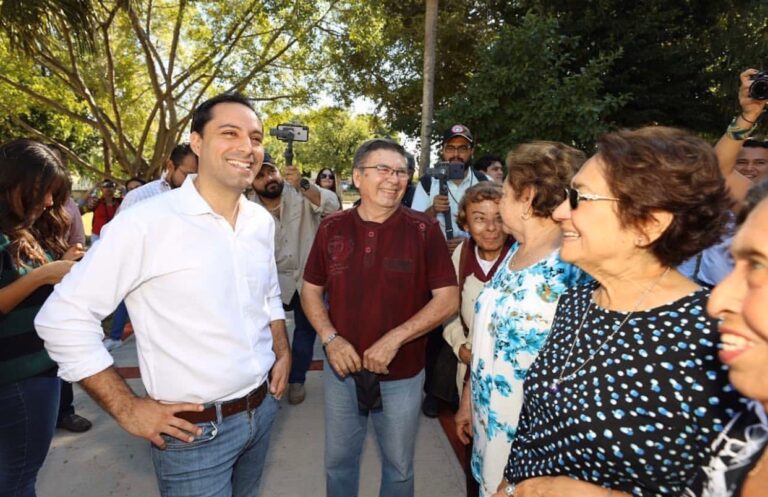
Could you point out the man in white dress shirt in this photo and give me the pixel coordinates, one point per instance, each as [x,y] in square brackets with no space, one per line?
[197,271]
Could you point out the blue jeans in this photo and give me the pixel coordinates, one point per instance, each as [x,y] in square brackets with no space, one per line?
[27,423]
[303,343]
[345,427]
[226,460]
[119,318]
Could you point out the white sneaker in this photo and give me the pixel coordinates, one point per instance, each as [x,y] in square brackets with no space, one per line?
[111,344]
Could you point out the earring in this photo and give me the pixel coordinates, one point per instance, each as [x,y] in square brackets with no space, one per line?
[525,215]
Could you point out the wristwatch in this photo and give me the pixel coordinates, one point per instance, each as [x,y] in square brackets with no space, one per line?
[304,184]
[509,490]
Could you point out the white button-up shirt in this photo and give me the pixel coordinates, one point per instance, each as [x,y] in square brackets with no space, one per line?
[201,298]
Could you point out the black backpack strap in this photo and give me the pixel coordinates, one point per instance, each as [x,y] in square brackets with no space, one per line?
[479,175]
[426,183]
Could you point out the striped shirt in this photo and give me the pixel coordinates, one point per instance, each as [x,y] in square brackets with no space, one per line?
[144,192]
[22,354]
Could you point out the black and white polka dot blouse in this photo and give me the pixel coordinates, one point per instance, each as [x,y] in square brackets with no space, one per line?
[641,415]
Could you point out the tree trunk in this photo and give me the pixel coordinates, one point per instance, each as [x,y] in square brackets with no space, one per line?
[427,104]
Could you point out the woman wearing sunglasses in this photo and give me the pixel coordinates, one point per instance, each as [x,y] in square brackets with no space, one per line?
[326,178]
[514,310]
[628,394]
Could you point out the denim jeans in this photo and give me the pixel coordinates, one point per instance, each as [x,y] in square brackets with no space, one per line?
[303,343]
[27,423]
[226,460]
[345,427]
[119,318]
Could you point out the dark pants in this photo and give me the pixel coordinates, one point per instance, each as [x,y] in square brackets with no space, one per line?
[65,403]
[440,368]
[27,423]
[119,320]
[303,342]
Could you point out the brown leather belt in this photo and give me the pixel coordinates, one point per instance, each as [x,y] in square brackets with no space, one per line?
[246,403]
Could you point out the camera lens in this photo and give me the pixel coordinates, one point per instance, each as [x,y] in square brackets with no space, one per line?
[759,89]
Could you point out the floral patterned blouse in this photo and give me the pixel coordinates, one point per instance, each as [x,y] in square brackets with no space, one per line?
[513,314]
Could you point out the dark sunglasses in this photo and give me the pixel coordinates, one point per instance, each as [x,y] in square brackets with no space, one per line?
[574,197]
[326,176]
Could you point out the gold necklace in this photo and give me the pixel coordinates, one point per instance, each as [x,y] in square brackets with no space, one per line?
[556,383]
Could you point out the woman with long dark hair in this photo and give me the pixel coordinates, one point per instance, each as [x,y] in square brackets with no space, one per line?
[326,178]
[33,257]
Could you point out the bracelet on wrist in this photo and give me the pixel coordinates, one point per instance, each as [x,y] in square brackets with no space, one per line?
[329,339]
[734,132]
[750,122]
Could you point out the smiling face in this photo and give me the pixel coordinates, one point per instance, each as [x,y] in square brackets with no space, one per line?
[326,179]
[753,162]
[592,233]
[485,225]
[229,149]
[739,301]
[381,190]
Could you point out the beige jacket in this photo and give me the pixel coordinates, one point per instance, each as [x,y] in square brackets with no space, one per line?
[294,233]
[453,332]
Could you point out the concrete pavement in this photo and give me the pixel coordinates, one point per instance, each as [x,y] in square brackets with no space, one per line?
[106,461]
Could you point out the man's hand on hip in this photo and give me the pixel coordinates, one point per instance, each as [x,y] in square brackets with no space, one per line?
[148,418]
[343,357]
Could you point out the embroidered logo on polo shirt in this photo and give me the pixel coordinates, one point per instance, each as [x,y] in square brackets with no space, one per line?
[339,250]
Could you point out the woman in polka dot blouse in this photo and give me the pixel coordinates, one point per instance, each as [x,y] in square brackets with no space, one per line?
[628,394]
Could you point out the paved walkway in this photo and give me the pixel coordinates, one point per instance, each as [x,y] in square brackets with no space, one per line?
[106,461]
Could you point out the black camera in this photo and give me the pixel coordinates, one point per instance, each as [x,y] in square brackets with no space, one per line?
[443,172]
[758,90]
[447,171]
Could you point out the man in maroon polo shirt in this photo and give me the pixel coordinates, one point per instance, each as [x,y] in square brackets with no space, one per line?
[389,279]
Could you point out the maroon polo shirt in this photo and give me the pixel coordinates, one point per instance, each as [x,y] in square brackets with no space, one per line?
[378,275]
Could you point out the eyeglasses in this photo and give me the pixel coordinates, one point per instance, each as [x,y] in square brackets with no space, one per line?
[386,171]
[574,196]
[326,176]
[462,149]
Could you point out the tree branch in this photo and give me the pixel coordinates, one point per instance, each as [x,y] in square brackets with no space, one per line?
[48,102]
[45,138]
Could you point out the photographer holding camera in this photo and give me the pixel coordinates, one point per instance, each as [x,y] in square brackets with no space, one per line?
[103,201]
[753,95]
[438,195]
[457,175]
[736,155]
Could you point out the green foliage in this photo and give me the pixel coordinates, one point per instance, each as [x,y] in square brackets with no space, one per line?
[380,54]
[523,89]
[679,61]
[152,63]
[629,63]
[334,136]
